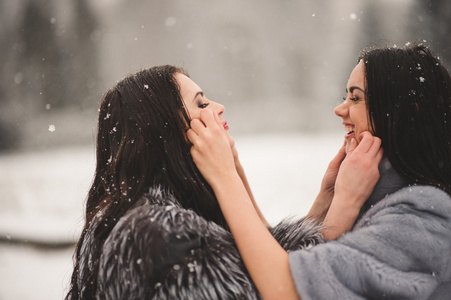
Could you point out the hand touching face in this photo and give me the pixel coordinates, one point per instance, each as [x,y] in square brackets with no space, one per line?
[211,149]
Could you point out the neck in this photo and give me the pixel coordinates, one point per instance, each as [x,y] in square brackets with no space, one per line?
[389,182]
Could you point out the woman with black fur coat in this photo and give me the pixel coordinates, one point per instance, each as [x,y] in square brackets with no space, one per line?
[154,229]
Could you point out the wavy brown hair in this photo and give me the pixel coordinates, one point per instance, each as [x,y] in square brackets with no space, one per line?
[141,142]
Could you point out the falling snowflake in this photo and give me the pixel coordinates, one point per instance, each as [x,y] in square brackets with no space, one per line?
[422,79]
[52,128]
[146,86]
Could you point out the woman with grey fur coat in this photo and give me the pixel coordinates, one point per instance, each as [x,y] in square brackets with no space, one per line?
[397,243]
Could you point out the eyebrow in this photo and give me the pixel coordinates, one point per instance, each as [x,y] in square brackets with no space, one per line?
[197,94]
[352,88]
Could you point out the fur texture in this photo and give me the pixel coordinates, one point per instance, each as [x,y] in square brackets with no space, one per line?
[159,250]
[399,249]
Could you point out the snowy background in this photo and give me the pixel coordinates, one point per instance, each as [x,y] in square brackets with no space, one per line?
[279,67]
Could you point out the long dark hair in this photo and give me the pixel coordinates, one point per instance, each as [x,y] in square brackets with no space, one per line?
[408,94]
[141,142]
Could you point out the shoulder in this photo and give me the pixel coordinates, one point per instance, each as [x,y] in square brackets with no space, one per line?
[158,216]
[418,200]
[160,248]
[414,211]
[412,224]
[426,193]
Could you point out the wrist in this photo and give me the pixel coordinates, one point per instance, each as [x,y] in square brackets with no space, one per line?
[340,218]
[236,160]
[325,195]
[224,178]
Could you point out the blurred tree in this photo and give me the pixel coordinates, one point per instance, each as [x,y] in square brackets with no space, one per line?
[440,27]
[433,23]
[48,66]
[7,138]
[81,64]
[40,62]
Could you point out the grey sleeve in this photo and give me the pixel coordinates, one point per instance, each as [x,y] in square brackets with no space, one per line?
[400,250]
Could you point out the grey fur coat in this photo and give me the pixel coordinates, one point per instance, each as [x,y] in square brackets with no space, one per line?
[158,250]
[400,248]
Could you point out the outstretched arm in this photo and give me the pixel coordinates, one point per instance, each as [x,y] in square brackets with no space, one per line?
[265,259]
[322,202]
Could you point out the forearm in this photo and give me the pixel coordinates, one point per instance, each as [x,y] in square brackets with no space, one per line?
[264,258]
[240,171]
[340,218]
[320,206]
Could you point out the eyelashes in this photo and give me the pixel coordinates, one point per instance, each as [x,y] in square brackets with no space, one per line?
[203,105]
[352,99]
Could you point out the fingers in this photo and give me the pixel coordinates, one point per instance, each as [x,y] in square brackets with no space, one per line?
[376,146]
[339,157]
[379,154]
[352,146]
[218,121]
[192,136]
[213,122]
[208,118]
[366,141]
[207,121]
[197,126]
[368,144]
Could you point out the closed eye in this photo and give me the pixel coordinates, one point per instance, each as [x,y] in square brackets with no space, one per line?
[203,105]
[352,99]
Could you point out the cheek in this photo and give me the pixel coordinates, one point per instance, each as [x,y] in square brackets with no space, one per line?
[193,113]
[360,119]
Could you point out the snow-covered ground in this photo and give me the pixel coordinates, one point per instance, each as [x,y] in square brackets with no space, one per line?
[42,196]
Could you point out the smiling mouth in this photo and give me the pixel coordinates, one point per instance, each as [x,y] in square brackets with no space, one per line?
[349,131]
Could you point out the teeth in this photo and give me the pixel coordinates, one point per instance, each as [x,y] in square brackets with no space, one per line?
[349,129]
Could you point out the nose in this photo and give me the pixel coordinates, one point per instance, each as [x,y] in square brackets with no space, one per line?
[340,110]
[217,107]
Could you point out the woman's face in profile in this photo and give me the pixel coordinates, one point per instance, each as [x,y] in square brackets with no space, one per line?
[195,100]
[353,109]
